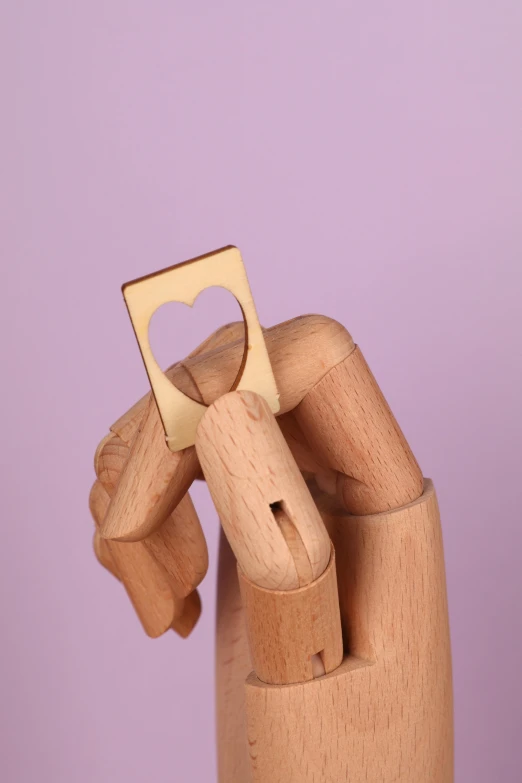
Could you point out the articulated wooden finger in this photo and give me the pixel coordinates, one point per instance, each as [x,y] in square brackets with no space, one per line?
[351,429]
[151,484]
[285,559]
[301,351]
[261,497]
[185,623]
[109,459]
[306,459]
[191,606]
[145,580]
[386,713]
[289,630]
[178,543]
[180,546]
[154,479]
[233,665]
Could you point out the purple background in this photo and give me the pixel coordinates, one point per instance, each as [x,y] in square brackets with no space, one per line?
[367,159]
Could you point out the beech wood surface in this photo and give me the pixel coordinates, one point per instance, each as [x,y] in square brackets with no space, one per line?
[153,479]
[178,543]
[251,475]
[127,425]
[183,283]
[144,579]
[351,429]
[233,665]
[152,482]
[102,550]
[301,352]
[385,714]
[288,628]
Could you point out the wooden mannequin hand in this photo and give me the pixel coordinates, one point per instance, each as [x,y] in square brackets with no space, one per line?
[335,421]
[384,710]
[140,483]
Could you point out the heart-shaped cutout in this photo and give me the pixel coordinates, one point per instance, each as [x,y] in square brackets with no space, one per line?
[176,329]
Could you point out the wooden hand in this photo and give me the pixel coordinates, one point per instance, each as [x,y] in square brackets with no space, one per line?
[385,710]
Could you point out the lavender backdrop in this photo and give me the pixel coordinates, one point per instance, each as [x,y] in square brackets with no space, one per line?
[367,160]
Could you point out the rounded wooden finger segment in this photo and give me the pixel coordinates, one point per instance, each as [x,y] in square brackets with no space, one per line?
[98,503]
[307,460]
[102,550]
[109,460]
[291,631]
[180,546]
[145,580]
[351,429]
[301,352]
[386,714]
[148,587]
[151,484]
[181,414]
[190,614]
[155,479]
[128,424]
[252,475]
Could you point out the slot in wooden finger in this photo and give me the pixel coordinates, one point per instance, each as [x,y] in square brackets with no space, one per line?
[252,475]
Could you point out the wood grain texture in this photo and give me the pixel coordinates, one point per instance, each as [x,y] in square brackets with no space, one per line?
[185,622]
[145,581]
[178,543]
[352,430]
[102,550]
[154,479]
[249,468]
[306,459]
[127,425]
[151,484]
[233,665]
[158,604]
[301,352]
[109,462]
[386,714]
[287,628]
